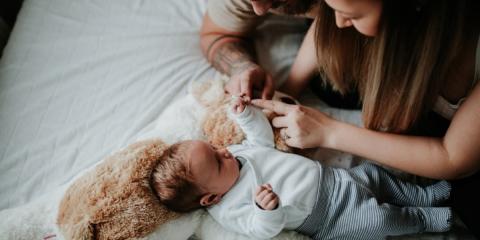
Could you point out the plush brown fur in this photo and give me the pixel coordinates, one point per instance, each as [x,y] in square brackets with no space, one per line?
[115,200]
[218,128]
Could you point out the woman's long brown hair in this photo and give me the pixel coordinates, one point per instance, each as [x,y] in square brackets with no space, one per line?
[400,71]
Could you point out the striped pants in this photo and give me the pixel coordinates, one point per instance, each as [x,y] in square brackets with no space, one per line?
[367,202]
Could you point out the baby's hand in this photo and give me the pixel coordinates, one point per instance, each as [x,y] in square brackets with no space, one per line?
[265,197]
[239,103]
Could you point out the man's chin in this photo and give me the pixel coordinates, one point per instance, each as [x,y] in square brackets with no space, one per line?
[300,7]
[259,9]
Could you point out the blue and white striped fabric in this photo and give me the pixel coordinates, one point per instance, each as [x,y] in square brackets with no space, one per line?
[367,202]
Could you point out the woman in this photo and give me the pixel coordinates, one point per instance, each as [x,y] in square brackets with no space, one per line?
[408,59]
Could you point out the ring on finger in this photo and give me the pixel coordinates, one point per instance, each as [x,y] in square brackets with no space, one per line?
[283,134]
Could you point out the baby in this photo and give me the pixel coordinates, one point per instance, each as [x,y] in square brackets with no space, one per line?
[253,189]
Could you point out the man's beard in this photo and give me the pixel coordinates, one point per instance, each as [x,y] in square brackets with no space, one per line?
[294,7]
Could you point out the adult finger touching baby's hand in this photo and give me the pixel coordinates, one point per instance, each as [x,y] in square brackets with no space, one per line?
[237,104]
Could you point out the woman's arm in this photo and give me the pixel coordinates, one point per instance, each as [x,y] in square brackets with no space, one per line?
[454,156]
[304,67]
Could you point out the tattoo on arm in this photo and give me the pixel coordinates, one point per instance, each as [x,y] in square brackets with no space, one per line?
[232,57]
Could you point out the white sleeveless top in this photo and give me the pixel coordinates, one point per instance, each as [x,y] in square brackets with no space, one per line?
[447,109]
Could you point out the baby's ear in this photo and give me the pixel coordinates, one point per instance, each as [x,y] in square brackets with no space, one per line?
[210,199]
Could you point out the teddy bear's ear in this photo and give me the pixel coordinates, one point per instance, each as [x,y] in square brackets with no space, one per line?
[209,93]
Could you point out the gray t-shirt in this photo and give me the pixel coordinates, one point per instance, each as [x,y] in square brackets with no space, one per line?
[238,15]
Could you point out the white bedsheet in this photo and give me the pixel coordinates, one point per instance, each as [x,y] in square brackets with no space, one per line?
[79,79]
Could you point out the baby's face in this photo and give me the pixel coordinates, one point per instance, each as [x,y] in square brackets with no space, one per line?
[214,170]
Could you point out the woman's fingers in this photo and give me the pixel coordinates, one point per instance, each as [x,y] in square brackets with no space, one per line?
[280,122]
[276,106]
[283,134]
[304,127]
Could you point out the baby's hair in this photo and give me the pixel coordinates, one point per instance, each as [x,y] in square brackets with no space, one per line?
[172,181]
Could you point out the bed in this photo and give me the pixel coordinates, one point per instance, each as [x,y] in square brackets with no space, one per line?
[81,79]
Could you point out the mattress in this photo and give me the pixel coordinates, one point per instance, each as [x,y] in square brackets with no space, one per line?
[81,79]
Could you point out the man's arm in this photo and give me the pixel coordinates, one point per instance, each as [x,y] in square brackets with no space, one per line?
[225,50]
[232,54]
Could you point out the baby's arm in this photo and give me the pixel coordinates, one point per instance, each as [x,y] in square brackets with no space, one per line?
[251,219]
[253,122]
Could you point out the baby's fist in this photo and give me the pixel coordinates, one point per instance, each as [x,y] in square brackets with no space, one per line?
[265,197]
[239,102]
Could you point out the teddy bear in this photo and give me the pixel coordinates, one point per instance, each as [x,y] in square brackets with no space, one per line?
[218,129]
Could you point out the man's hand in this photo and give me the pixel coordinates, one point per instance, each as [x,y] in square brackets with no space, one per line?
[248,77]
[265,197]
[232,53]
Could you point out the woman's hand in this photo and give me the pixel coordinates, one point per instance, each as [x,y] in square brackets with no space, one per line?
[301,127]
[249,77]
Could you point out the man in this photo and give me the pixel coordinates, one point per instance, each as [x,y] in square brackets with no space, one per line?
[225,42]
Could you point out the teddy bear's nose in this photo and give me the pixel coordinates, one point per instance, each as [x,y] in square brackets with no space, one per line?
[287,100]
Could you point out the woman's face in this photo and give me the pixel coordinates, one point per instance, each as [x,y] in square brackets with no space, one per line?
[363,15]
